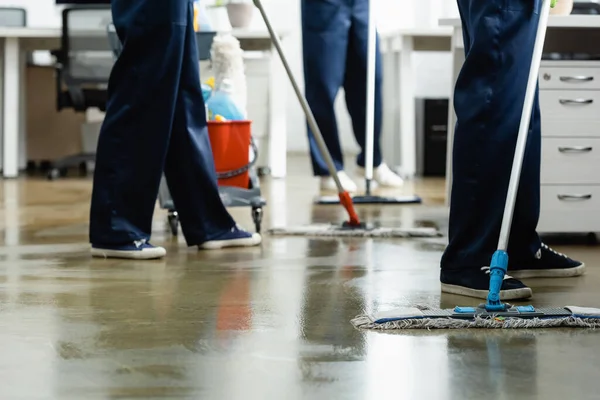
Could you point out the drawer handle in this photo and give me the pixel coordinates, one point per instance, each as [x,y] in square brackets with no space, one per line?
[574,197]
[576,78]
[576,101]
[575,149]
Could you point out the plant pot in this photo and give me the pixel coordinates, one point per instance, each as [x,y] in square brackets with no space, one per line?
[563,7]
[240,14]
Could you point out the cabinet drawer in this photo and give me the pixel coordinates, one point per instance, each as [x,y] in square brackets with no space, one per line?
[575,105]
[570,161]
[569,209]
[557,126]
[569,78]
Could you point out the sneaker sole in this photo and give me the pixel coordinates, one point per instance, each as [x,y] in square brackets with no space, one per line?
[548,273]
[130,255]
[255,240]
[514,294]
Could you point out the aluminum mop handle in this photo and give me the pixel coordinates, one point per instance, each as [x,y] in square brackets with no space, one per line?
[370,120]
[499,264]
[345,198]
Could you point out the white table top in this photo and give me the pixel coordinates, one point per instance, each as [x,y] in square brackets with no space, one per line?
[44,33]
[556,21]
[421,32]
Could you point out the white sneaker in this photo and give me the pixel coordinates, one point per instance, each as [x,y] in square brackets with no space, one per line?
[138,250]
[384,176]
[328,183]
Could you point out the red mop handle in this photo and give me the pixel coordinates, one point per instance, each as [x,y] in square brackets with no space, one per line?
[346,201]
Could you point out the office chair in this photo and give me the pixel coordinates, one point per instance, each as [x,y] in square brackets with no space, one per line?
[13,17]
[586,7]
[83,67]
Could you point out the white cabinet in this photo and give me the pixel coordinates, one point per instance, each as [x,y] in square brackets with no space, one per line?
[570,172]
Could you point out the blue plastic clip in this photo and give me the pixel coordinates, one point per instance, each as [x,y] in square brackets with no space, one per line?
[498,268]
[525,309]
[464,310]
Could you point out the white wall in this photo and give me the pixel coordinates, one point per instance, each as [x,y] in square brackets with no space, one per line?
[432,70]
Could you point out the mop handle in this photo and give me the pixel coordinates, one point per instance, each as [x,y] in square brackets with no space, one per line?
[370,115]
[307,111]
[524,127]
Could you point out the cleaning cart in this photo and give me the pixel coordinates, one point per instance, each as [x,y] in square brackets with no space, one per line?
[232,144]
[238,186]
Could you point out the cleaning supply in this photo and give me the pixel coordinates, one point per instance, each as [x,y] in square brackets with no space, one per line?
[230,141]
[227,60]
[222,103]
[494,313]
[201,20]
[367,231]
[206,91]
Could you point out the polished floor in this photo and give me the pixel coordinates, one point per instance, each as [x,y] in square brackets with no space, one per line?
[264,323]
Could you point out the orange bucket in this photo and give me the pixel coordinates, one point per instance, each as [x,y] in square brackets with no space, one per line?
[230,142]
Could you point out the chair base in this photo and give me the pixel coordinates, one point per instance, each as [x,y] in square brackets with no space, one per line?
[60,167]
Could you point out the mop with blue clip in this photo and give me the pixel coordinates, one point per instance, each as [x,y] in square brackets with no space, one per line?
[494,313]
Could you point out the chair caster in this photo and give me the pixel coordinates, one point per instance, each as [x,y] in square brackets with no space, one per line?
[56,173]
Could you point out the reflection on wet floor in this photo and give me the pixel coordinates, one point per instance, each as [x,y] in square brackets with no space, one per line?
[265,323]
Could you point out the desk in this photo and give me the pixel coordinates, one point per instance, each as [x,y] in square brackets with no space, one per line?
[14,42]
[401,44]
[565,123]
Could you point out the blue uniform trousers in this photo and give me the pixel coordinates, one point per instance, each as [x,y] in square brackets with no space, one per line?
[335,43]
[155,121]
[499,37]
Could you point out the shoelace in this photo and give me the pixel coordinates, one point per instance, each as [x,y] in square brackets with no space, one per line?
[546,247]
[487,271]
[139,243]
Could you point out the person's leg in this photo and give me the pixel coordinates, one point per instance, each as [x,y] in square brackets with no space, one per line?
[488,102]
[355,87]
[135,134]
[189,166]
[325,25]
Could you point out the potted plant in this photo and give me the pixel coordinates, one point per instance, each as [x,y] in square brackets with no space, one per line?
[563,7]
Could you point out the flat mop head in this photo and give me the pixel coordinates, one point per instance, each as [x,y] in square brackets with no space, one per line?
[347,230]
[331,200]
[524,317]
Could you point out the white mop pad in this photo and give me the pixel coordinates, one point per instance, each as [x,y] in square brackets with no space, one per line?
[428,318]
[329,230]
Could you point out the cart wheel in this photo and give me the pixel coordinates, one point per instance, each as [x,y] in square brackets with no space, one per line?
[174,222]
[56,173]
[257,214]
[263,171]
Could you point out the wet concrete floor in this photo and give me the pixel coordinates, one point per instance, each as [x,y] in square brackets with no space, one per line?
[264,323]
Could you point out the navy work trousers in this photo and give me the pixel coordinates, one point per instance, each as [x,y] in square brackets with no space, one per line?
[499,37]
[335,36]
[155,121]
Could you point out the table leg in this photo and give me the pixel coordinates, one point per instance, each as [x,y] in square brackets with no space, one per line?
[10,107]
[458,58]
[277,117]
[22,161]
[407,108]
